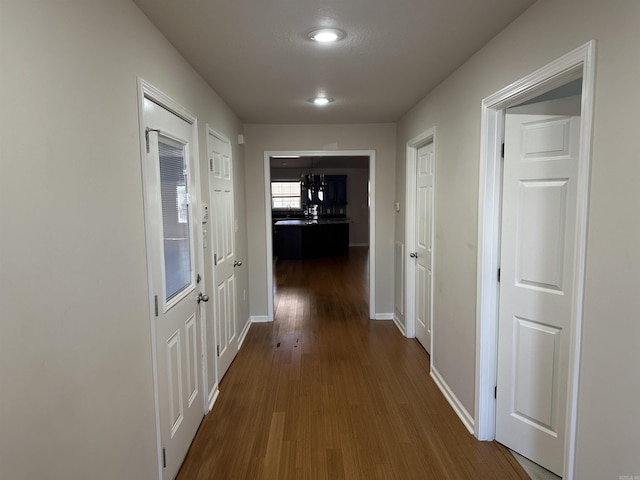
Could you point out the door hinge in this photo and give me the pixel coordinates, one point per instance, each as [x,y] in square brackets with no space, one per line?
[502,151]
[156,304]
[215,259]
[498,274]
[211,164]
[164,457]
[146,135]
[495,392]
[218,349]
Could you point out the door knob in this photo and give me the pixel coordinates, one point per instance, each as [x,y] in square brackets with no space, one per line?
[413,254]
[237,263]
[203,298]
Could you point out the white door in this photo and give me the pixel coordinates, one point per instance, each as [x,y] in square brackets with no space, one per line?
[538,247]
[170,188]
[423,256]
[224,252]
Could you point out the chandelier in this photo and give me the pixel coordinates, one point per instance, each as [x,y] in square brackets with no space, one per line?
[314,185]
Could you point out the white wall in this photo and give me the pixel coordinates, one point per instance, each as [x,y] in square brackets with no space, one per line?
[76,397]
[609,423]
[378,137]
[357,207]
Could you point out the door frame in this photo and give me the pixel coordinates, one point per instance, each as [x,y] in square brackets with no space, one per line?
[372,217]
[577,63]
[413,145]
[148,91]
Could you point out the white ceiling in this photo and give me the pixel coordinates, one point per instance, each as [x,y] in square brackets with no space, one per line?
[256,55]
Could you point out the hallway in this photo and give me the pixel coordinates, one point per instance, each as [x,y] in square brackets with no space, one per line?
[325,393]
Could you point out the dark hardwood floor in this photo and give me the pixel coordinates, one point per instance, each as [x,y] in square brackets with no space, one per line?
[325,393]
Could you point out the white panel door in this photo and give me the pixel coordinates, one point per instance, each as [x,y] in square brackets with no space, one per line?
[170,191]
[538,247]
[423,254]
[224,252]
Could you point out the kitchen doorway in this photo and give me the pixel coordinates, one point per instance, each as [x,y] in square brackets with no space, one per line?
[314,169]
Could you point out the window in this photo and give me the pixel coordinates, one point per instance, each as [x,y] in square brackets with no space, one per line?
[286,195]
[176,228]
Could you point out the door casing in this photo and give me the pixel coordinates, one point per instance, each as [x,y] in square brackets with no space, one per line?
[575,64]
[372,220]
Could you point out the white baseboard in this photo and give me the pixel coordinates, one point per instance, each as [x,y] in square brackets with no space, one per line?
[462,413]
[259,318]
[213,396]
[244,332]
[400,326]
[383,316]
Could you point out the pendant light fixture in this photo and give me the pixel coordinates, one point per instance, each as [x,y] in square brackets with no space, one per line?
[313,184]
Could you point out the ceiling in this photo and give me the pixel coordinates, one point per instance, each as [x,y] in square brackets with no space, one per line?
[257,56]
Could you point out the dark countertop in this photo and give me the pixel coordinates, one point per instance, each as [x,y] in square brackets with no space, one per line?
[308,222]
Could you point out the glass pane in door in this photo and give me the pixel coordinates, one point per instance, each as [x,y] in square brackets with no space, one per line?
[174,192]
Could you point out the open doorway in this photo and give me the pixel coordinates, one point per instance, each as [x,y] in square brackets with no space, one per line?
[352,175]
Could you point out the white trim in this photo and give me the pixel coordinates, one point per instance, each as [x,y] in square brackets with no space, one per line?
[372,230]
[203,358]
[146,90]
[243,333]
[400,326]
[213,396]
[223,138]
[260,319]
[383,316]
[426,137]
[372,216]
[579,62]
[268,238]
[455,403]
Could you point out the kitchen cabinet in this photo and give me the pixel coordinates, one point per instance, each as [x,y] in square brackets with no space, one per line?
[334,194]
[335,190]
[298,239]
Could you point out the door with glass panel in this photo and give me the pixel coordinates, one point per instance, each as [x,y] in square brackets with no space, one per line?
[174,256]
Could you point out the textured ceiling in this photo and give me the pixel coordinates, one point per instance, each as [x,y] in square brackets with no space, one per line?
[256,55]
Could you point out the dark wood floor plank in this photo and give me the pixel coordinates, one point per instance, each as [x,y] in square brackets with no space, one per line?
[325,393]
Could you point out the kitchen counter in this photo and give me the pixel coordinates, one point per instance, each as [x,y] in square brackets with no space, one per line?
[316,221]
[311,238]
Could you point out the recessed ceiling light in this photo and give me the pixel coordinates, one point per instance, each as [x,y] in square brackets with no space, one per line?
[326,35]
[321,101]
